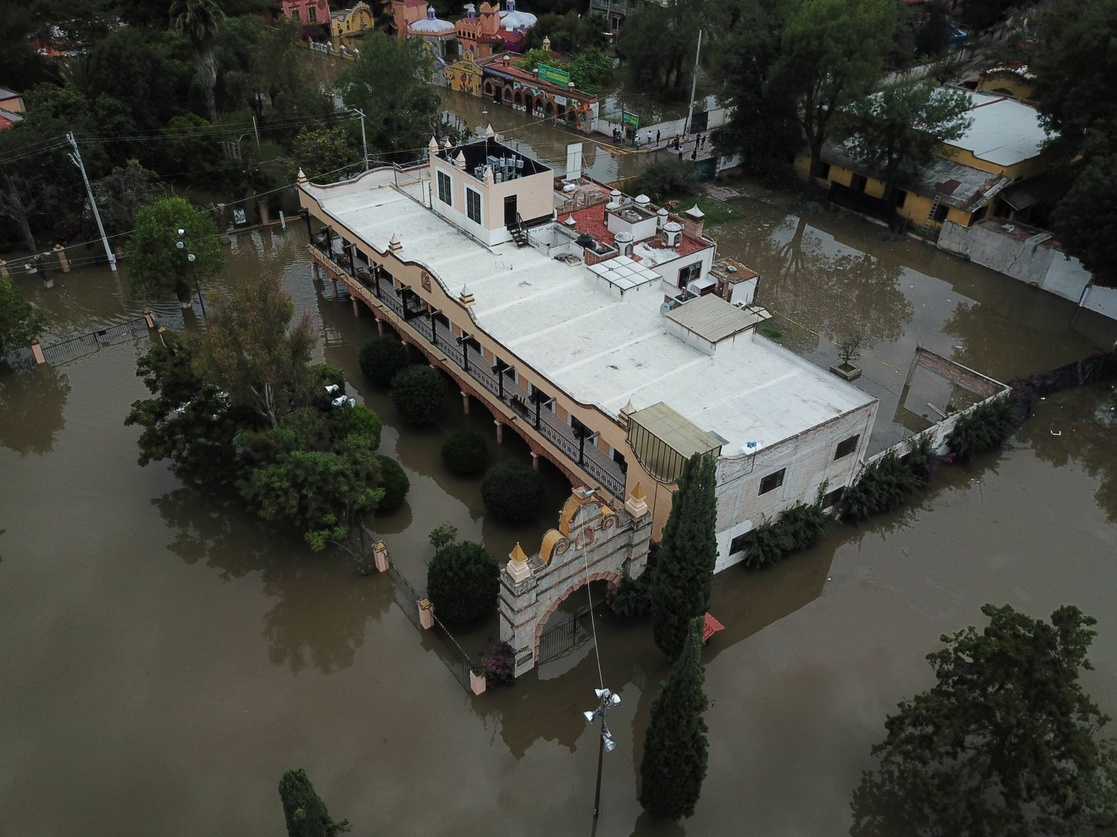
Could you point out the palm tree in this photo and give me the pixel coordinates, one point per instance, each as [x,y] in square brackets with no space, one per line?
[199,20]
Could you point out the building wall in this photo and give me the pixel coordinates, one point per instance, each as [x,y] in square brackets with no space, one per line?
[809,462]
[533,199]
[1006,84]
[1031,167]
[358,19]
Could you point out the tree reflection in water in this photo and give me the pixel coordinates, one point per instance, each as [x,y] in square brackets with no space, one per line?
[32,403]
[321,605]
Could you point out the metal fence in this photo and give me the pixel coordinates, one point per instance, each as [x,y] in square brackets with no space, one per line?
[406,596]
[561,639]
[74,348]
[459,662]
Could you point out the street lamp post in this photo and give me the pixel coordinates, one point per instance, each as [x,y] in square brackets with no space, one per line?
[191,258]
[608,700]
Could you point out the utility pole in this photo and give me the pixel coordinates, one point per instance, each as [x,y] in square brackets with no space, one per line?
[693,87]
[256,131]
[75,158]
[364,142]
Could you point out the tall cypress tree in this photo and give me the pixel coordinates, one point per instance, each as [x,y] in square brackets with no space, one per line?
[684,567]
[304,809]
[675,747]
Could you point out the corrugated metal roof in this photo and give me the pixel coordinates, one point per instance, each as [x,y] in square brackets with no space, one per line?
[712,318]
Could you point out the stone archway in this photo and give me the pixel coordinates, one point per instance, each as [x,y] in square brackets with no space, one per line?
[594,541]
[613,579]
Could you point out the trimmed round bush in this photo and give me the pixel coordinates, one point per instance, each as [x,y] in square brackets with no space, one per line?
[381,358]
[463,582]
[465,454]
[418,392]
[512,491]
[394,482]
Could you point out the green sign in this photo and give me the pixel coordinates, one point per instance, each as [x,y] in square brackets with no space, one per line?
[630,119]
[553,75]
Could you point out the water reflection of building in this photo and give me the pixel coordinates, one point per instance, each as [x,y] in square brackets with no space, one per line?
[587,322]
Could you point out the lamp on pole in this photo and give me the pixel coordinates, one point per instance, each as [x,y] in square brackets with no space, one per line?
[191,258]
[608,700]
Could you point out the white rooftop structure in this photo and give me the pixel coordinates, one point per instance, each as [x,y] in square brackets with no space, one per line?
[1004,131]
[601,345]
[512,20]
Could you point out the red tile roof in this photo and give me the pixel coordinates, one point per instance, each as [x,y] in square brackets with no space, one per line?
[591,221]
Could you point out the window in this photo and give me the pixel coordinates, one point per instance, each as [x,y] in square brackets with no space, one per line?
[312,14]
[847,447]
[858,182]
[772,481]
[940,213]
[821,170]
[831,498]
[689,274]
[738,544]
[295,15]
[900,198]
[444,193]
[473,205]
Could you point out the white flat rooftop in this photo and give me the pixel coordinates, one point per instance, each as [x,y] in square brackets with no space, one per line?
[1004,131]
[600,347]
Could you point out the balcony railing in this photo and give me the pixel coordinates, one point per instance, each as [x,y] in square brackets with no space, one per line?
[584,453]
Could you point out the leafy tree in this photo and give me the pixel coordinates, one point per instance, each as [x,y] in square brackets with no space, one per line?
[832,51]
[381,358]
[37,182]
[1006,742]
[306,476]
[21,66]
[123,192]
[200,20]
[20,321]
[188,422]
[662,180]
[465,454]
[444,534]
[157,267]
[253,351]
[985,428]
[512,491]
[395,483]
[934,28]
[325,152]
[982,14]
[418,392]
[657,44]
[389,83]
[591,69]
[676,751]
[463,581]
[688,551]
[146,70]
[304,810]
[897,130]
[1085,217]
[889,481]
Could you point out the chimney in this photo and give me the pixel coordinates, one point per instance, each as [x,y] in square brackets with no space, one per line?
[643,201]
[672,231]
[660,219]
[623,240]
[693,221]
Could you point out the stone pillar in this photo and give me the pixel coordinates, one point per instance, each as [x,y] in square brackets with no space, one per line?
[426,614]
[518,609]
[379,327]
[62,260]
[317,271]
[149,318]
[380,556]
[3,268]
[534,460]
[356,311]
[465,402]
[37,352]
[499,431]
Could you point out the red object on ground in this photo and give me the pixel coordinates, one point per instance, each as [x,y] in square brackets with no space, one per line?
[712,627]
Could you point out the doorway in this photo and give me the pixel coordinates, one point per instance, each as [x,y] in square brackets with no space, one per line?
[510,211]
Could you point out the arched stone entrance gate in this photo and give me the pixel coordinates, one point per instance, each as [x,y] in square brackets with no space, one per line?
[593,542]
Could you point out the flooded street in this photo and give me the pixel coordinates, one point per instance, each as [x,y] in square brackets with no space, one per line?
[167,657]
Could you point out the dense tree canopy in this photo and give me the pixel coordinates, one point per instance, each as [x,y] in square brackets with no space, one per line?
[463,581]
[20,321]
[1006,742]
[157,266]
[303,809]
[512,491]
[418,393]
[676,751]
[381,358]
[684,567]
[389,83]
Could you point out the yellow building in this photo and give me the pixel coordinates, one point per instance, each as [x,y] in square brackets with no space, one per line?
[1003,146]
[351,21]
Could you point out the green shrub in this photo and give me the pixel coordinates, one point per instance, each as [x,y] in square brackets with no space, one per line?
[512,491]
[463,581]
[633,597]
[889,482]
[357,420]
[465,454]
[985,428]
[662,179]
[418,392]
[381,358]
[395,483]
[796,529]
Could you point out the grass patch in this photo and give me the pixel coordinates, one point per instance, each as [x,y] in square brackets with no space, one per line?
[717,212]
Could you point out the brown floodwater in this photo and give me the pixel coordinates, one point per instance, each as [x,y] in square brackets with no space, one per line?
[167,657]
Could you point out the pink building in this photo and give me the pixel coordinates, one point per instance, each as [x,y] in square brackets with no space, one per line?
[302,12]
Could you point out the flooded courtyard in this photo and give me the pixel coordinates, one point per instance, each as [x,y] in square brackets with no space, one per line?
[169,657]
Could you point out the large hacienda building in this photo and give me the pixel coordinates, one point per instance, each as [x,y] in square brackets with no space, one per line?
[600,328]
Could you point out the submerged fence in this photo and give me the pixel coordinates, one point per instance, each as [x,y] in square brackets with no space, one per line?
[74,348]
